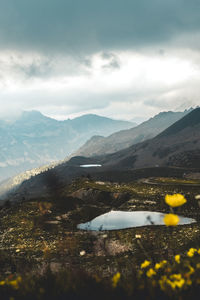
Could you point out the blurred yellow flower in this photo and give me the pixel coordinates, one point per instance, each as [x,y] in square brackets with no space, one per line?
[157,266]
[145,264]
[175,200]
[191,271]
[191,252]
[176,276]
[179,283]
[160,264]
[171,220]
[150,272]
[116,279]
[177,258]
[15,283]
[174,281]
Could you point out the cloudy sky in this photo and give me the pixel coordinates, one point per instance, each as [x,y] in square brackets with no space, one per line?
[125,59]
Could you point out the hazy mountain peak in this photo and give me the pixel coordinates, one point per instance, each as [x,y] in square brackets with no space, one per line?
[33,115]
[34,139]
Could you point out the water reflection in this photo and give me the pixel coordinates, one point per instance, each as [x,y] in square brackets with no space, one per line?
[90,166]
[124,219]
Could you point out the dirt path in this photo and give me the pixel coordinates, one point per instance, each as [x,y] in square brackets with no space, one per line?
[151,182]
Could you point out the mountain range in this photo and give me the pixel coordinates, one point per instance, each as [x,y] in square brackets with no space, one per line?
[99,145]
[176,146]
[176,150]
[34,139]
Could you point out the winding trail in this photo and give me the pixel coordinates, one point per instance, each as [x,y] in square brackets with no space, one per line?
[150,182]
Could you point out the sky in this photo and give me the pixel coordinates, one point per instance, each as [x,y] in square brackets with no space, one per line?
[124,59]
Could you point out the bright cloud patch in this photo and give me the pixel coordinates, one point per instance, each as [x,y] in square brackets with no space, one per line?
[113,84]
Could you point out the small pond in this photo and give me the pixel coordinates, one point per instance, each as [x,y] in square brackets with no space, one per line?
[114,220]
[90,166]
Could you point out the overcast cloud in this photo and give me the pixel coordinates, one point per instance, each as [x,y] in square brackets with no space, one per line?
[123,59]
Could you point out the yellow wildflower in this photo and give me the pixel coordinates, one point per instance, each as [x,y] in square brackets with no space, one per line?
[175,200]
[191,252]
[177,258]
[145,264]
[150,272]
[14,284]
[116,279]
[157,266]
[174,281]
[160,264]
[176,276]
[179,283]
[191,270]
[2,282]
[164,261]
[171,220]
[198,251]
[198,266]
[162,282]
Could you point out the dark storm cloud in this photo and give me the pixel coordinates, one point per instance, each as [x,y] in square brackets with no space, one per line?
[85,26]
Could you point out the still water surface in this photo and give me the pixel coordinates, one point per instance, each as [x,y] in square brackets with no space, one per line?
[90,166]
[114,220]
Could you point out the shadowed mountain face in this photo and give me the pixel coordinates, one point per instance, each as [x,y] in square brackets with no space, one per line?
[99,145]
[178,145]
[34,140]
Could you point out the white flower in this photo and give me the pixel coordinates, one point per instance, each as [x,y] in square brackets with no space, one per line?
[138,236]
[82,253]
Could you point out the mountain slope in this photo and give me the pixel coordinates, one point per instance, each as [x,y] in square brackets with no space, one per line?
[178,145]
[34,139]
[98,145]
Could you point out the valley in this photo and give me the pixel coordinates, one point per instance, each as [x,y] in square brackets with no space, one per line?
[54,222]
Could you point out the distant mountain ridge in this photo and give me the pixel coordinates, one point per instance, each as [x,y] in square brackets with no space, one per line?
[99,145]
[34,139]
[178,145]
